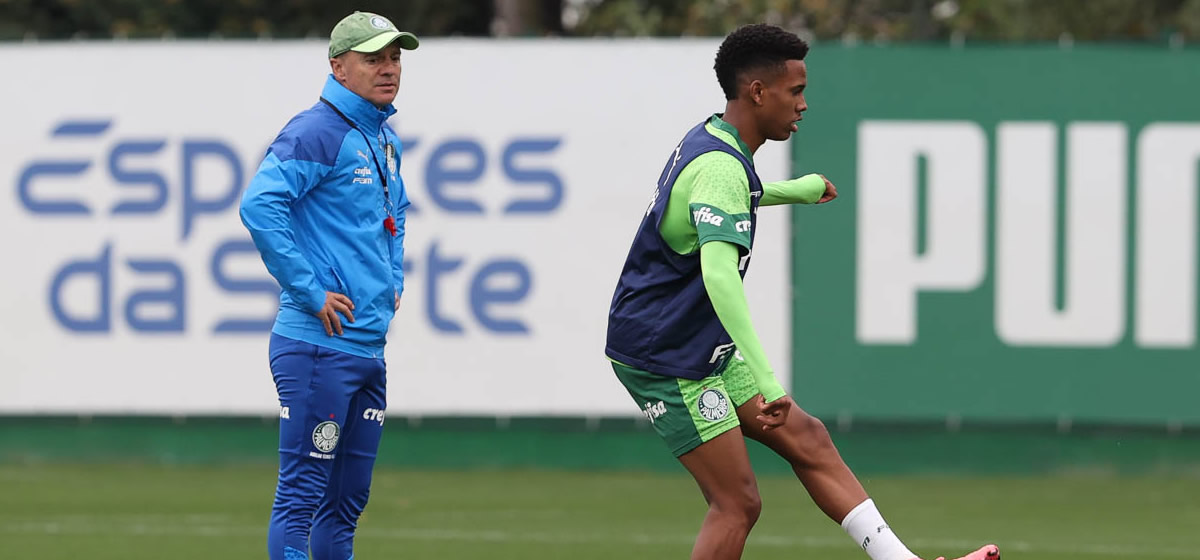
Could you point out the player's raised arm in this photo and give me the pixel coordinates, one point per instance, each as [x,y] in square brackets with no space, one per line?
[809,189]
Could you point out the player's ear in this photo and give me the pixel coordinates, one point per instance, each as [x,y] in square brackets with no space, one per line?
[756,92]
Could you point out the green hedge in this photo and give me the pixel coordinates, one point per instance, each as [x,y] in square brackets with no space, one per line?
[866,20]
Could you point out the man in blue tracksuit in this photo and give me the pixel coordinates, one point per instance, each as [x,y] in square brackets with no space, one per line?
[326,211]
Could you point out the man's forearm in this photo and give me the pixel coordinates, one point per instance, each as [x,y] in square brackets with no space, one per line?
[804,190]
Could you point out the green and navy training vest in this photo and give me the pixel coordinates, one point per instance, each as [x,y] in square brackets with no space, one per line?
[661,319]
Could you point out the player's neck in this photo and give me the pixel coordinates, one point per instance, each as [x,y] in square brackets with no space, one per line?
[743,121]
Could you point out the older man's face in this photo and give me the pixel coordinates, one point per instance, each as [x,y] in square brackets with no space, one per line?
[373,76]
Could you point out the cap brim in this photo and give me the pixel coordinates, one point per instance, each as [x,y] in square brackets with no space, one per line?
[406,40]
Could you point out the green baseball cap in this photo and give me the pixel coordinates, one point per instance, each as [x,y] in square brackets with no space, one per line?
[367,33]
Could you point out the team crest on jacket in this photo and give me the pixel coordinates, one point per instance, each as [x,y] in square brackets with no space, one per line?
[712,405]
[325,436]
[390,152]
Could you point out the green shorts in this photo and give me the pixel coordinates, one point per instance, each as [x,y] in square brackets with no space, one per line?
[686,412]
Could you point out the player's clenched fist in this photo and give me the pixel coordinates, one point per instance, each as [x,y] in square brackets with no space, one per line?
[830,191]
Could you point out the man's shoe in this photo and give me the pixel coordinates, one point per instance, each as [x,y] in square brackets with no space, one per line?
[989,552]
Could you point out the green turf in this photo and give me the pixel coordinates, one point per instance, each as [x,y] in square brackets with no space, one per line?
[177,513]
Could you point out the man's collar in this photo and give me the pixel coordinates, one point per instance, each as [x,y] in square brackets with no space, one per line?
[362,112]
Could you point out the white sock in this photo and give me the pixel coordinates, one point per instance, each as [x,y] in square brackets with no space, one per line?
[866,526]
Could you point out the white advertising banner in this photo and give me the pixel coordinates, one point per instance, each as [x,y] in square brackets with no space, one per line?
[131,287]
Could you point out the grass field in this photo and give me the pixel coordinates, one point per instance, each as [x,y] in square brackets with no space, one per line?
[134,512]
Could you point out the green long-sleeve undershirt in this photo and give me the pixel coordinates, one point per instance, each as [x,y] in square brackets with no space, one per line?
[719,267]
[804,190]
[715,185]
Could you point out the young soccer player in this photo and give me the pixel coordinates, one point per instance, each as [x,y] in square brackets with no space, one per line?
[679,331]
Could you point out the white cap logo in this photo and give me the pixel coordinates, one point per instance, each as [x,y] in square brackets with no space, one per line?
[380,23]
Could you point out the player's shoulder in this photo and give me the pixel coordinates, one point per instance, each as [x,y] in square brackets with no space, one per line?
[718,168]
[718,181]
[718,159]
[315,135]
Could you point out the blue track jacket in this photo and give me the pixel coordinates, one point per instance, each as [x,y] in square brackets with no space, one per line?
[316,211]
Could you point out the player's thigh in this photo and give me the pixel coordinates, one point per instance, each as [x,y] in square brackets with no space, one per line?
[802,435]
[684,412]
[744,393]
[354,463]
[314,396]
[366,411]
[739,383]
[721,467]
[803,439]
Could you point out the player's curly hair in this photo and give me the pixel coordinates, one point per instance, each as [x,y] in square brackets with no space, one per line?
[755,46]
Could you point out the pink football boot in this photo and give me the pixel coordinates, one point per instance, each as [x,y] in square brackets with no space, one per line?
[989,552]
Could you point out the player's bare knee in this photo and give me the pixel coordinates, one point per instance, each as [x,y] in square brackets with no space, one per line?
[752,508]
[742,508]
[816,430]
[810,444]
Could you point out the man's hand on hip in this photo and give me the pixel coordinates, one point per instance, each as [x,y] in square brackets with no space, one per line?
[335,303]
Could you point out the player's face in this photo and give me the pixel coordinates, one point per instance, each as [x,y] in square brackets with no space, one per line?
[373,76]
[783,101]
